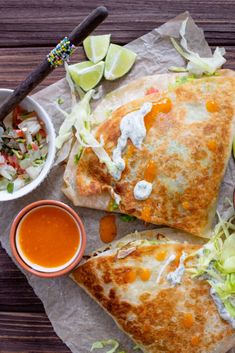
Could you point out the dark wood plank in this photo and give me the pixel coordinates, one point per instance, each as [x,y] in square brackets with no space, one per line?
[41,23]
[15,293]
[28,333]
[24,326]
[16,64]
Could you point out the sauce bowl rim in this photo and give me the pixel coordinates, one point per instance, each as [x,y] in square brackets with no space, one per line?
[13,231]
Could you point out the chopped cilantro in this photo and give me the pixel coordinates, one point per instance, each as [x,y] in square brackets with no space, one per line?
[17,153]
[38,162]
[127,218]
[25,115]
[38,137]
[20,140]
[112,205]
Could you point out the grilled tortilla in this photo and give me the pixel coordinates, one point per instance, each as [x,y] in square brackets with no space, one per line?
[186,148]
[129,281]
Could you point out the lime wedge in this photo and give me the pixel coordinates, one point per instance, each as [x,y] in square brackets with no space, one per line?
[96,47]
[118,62]
[86,74]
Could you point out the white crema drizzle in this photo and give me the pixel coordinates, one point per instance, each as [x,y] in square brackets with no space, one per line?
[132,127]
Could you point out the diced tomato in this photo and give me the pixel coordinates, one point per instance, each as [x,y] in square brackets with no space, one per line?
[151,90]
[34,146]
[20,133]
[20,170]
[4,154]
[12,160]
[16,116]
[2,159]
[42,132]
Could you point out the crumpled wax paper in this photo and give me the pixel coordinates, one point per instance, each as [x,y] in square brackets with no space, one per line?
[76,318]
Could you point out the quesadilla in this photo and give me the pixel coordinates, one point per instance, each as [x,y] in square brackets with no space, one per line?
[164,155]
[143,282]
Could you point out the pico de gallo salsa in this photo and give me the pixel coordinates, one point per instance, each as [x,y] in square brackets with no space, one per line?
[23,149]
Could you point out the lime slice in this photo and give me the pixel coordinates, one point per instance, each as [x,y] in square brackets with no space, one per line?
[96,47]
[234,147]
[86,74]
[118,62]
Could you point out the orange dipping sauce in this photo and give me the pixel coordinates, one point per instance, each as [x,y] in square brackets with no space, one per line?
[108,228]
[48,237]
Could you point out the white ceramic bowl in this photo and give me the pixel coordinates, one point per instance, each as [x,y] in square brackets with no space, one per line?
[30,104]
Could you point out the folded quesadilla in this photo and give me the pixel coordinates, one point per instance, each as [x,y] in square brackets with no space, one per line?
[144,282]
[166,143]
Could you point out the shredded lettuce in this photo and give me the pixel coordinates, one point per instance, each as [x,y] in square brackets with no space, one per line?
[216,263]
[105,343]
[197,65]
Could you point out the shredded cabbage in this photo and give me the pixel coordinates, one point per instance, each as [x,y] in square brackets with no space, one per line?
[197,65]
[79,119]
[79,114]
[87,139]
[216,263]
[104,343]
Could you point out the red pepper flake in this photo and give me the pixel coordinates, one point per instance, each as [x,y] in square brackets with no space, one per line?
[34,146]
[20,133]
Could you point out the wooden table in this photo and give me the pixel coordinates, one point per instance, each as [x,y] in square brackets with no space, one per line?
[28,28]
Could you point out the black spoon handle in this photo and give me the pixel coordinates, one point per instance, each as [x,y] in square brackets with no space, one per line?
[45,68]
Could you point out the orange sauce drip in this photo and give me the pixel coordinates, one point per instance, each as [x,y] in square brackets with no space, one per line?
[163,106]
[144,274]
[212,145]
[146,213]
[161,255]
[186,205]
[129,152]
[176,262]
[212,106]
[108,228]
[195,340]
[188,320]
[150,171]
[130,276]
[49,236]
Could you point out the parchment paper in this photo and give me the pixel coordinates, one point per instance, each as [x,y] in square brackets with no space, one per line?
[75,317]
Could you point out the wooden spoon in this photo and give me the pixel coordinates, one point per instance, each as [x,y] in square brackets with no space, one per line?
[76,37]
